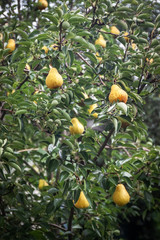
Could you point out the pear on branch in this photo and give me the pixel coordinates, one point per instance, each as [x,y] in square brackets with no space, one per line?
[45,49]
[115,30]
[121,196]
[100,41]
[42,4]
[54,79]
[42,184]
[117,94]
[77,127]
[82,201]
[11,45]
[91,108]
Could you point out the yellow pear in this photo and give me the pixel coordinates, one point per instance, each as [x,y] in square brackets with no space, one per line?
[100,41]
[11,45]
[149,60]
[117,94]
[82,201]
[54,79]
[134,46]
[1,36]
[27,67]
[45,49]
[42,4]
[54,47]
[85,95]
[121,196]
[91,108]
[125,36]
[42,184]
[99,58]
[77,127]
[115,30]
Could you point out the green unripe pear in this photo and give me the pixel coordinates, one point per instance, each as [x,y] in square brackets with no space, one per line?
[65,25]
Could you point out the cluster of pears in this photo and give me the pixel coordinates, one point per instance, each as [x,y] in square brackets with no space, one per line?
[11,45]
[53,46]
[117,94]
[42,4]
[120,197]
[115,30]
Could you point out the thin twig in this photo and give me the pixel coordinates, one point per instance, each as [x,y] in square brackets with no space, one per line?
[104,144]
[60,37]
[20,85]
[125,54]
[57,226]
[84,60]
[27,150]
[28,165]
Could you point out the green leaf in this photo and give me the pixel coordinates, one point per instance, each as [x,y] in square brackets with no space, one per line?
[22,33]
[91,56]
[21,111]
[123,107]
[124,9]
[77,19]
[52,18]
[14,165]
[20,69]
[68,143]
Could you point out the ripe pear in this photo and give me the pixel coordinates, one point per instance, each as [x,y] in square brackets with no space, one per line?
[27,67]
[54,79]
[91,108]
[42,184]
[54,47]
[134,46]
[45,49]
[1,36]
[117,94]
[82,201]
[77,127]
[121,196]
[11,45]
[42,4]
[97,56]
[115,30]
[100,41]
[149,60]
[125,36]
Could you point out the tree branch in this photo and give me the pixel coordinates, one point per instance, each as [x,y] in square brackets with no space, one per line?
[125,54]
[140,80]
[19,10]
[20,85]
[70,223]
[60,37]
[104,144]
[84,60]
[57,226]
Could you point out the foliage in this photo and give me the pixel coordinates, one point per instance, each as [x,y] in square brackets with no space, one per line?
[35,142]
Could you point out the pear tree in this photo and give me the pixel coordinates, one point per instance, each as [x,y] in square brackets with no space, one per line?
[79,117]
